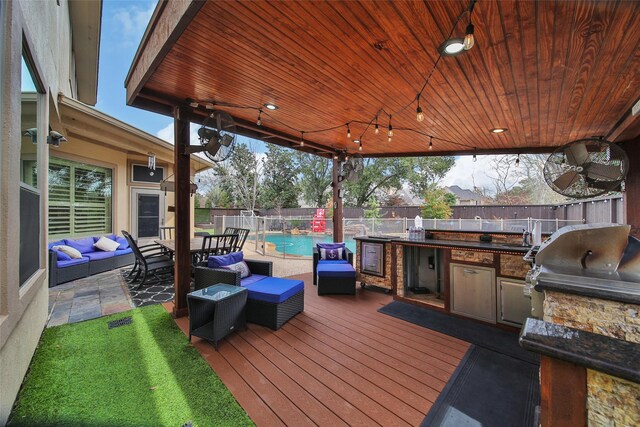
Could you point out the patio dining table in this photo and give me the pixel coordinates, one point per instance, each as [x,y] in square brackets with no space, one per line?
[195,245]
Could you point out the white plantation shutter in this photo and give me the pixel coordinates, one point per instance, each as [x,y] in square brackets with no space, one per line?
[79,199]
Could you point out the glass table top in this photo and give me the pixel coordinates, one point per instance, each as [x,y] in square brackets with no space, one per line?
[217,292]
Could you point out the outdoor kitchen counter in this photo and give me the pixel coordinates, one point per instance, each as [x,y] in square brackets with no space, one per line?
[465,244]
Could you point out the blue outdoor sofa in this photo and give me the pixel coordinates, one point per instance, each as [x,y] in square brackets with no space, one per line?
[63,268]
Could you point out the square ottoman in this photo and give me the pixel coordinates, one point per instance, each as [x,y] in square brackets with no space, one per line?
[336,279]
[272,301]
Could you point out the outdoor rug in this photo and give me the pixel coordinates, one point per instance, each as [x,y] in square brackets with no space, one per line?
[496,383]
[156,290]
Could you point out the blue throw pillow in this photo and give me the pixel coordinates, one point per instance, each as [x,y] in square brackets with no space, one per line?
[57,243]
[331,245]
[331,250]
[123,242]
[83,245]
[218,261]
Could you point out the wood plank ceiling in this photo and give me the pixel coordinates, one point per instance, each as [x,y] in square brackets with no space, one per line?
[549,71]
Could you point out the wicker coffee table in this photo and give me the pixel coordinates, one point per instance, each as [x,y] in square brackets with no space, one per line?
[216,311]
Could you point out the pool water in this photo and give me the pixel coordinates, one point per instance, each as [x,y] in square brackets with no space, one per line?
[302,244]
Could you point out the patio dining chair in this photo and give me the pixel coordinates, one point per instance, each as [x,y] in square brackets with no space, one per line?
[215,244]
[242,233]
[166,233]
[149,260]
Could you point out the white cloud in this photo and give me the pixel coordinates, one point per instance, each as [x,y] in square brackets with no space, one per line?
[466,172]
[131,22]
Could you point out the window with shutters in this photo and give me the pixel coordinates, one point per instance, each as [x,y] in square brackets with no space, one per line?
[79,199]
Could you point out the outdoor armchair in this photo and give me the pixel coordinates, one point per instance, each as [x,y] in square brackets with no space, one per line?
[347,255]
[242,233]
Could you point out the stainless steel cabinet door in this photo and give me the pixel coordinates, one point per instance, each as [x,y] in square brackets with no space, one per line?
[473,292]
[514,306]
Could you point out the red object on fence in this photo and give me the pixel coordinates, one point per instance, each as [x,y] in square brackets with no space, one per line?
[318,223]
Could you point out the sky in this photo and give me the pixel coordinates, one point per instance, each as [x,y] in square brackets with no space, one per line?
[124,23]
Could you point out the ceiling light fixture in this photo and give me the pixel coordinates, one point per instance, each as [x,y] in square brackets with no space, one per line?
[302,139]
[259,121]
[271,107]
[348,131]
[360,147]
[451,47]
[390,131]
[518,160]
[209,106]
[474,156]
[498,130]
[430,143]
[357,141]
[192,103]
[419,113]
[377,129]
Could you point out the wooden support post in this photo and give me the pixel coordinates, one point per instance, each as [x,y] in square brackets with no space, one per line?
[337,203]
[182,172]
[563,393]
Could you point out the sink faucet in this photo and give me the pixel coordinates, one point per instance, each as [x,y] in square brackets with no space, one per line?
[526,238]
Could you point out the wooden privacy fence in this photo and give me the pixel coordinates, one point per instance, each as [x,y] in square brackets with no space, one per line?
[590,211]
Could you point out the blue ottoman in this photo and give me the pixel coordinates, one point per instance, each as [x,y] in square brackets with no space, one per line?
[336,279]
[272,301]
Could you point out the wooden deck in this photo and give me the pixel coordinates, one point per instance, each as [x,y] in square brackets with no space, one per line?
[338,363]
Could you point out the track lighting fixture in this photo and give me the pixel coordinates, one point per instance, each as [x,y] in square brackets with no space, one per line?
[259,121]
[419,113]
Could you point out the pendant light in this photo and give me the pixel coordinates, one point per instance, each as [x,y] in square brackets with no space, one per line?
[419,113]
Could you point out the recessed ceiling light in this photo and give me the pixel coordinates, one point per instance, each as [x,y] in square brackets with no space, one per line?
[270,106]
[357,141]
[497,130]
[451,47]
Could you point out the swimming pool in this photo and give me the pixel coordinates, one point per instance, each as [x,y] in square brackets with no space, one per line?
[302,244]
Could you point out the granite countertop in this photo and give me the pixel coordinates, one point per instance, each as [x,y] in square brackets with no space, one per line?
[465,244]
[594,351]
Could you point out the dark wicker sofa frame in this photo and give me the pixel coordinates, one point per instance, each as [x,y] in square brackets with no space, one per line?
[263,313]
[78,271]
[316,257]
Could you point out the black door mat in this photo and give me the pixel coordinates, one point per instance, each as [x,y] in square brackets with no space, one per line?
[476,333]
[495,384]
[487,389]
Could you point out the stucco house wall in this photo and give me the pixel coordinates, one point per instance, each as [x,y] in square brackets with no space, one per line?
[45,28]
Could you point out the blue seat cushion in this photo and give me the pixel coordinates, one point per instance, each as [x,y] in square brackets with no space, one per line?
[94,256]
[83,245]
[332,261]
[252,279]
[274,289]
[57,243]
[123,251]
[336,270]
[69,263]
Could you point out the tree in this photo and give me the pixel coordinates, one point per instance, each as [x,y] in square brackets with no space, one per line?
[379,174]
[373,209]
[427,171]
[437,203]
[280,184]
[315,178]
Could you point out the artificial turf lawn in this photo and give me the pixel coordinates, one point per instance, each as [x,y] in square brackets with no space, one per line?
[142,374]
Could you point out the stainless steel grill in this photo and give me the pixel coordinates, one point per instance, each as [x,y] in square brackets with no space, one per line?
[594,256]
